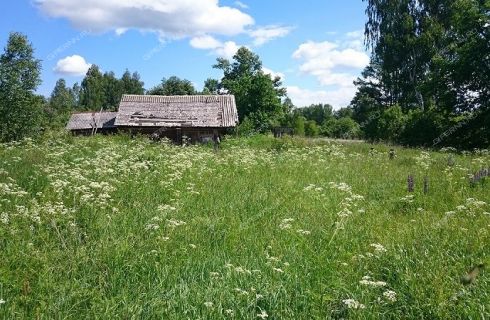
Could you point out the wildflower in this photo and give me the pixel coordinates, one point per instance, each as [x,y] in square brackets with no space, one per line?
[263,315]
[152,227]
[209,304]
[390,295]
[303,232]
[367,282]
[278,270]
[286,224]
[353,304]
[241,292]
[229,312]
[378,248]
[4,218]
[2,301]
[175,223]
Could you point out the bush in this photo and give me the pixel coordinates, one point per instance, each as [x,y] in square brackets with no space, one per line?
[343,128]
[311,129]
[421,128]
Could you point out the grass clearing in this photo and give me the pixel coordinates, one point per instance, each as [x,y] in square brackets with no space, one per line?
[109,227]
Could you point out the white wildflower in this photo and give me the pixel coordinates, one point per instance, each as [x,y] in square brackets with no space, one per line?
[263,315]
[390,295]
[303,232]
[353,304]
[209,304]
[372,283]
[378,248]
[286,224]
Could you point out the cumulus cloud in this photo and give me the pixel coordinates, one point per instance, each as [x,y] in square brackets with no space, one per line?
[72,66]
[335,65]
[171,19]
[268,33]
[338,98]
[324,60]
[222,49]
[273,74]
[205,42]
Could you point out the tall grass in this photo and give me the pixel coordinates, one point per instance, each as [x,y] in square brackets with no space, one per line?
[109,227]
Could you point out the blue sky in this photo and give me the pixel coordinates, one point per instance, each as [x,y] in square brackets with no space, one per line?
[315,46]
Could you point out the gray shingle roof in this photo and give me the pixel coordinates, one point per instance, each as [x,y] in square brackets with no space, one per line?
[91,120]
[177,111]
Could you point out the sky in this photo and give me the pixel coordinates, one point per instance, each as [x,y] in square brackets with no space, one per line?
[315,46]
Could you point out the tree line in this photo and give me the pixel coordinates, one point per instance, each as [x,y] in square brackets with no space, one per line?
[427,84]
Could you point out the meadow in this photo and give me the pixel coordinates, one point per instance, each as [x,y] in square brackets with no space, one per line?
[118,228]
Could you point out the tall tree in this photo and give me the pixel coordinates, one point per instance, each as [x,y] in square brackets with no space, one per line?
[131,83]
[61,104]
[20,108]
[173,86]
[211,86]
[258,96]
[92,90]
[112,91]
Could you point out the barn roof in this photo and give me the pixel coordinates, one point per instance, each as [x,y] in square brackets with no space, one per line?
[91,120]
[177,111]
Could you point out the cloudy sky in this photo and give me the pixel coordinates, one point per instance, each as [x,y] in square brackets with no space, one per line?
[316,46]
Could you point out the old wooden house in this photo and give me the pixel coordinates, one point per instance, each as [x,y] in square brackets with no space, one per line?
[198,118]
[89,123]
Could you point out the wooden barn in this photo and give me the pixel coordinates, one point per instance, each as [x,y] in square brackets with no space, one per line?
[198,118]
[89,123]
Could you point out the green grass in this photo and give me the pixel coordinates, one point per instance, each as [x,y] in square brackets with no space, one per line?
[109,227]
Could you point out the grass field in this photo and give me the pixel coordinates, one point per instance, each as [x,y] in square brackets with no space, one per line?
[109,227]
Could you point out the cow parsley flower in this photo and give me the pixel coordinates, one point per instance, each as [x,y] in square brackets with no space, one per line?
[263,315]
[390,295]
[353,304]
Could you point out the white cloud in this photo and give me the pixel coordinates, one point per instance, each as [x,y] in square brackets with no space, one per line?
[227,50]
[338,98]
[335,65]
[169,18]
[268,33]
[222,49]
[72,66]
[273,74]
[241,5]
[205,42]
[328,62]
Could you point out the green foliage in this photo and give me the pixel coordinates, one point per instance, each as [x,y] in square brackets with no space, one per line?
[311,128]
[20,108]
[431,55]
[61,103]
[257,95]
[211,86]
[299,125]
[92,90]
[316,112]
[104,91]
[173,86]
[246,127]
[422,128]
[343,128]
[131,83]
